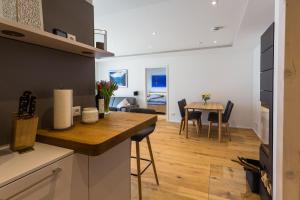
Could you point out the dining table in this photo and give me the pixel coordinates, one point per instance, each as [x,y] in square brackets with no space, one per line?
[202,106]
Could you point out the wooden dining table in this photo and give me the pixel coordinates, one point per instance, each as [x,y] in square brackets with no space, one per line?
[209,106]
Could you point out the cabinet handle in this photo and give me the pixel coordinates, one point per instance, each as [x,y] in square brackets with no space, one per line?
[53,173]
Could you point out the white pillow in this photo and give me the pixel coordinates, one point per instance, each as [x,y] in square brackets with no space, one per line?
[123,103]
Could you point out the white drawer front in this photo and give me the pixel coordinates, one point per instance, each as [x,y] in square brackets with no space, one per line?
[49,183]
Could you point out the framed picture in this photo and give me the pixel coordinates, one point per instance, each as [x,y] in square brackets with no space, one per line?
[28,12]
[119,76]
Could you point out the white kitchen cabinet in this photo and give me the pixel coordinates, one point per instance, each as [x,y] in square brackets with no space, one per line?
[48,173]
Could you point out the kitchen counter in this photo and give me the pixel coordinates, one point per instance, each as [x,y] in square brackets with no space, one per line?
[100,166]
[13,165]
[95,139]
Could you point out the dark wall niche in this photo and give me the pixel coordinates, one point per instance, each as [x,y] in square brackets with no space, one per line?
[28,67]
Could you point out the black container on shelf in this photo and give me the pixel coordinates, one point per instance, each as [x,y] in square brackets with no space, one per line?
[253,177]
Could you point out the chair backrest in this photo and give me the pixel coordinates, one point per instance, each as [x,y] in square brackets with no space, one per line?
[143,110]
[228,111]
[181,105]
[227,106]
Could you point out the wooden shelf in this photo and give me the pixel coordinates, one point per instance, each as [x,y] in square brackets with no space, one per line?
[20,32]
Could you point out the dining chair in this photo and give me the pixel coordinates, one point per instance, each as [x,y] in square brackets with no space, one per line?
[194,116]
[137,138]
[213,118]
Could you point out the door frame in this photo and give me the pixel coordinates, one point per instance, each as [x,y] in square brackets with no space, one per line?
[168,86]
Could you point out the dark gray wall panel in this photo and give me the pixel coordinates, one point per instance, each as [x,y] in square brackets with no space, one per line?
[29,67]
[267,39]
[266,80]
[267,60]
[266,98]
[73,16]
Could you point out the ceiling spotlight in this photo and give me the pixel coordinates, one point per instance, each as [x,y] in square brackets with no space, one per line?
[215,42]
[217,28]
[154,33]
[214,2]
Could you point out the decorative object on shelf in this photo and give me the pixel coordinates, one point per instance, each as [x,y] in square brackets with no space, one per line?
[206,97]
[106,89]
[71,37]
[100,38]
[25,124]
[28,12]
[90,115]
[63,109]
[60,33]
[119,76]
[8,9]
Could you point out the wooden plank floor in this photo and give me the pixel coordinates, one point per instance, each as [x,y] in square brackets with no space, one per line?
[197,168]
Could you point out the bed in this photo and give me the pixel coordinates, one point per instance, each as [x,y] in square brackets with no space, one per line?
[157,102]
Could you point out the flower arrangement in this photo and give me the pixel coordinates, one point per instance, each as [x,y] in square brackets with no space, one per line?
[106,89]
[206,97]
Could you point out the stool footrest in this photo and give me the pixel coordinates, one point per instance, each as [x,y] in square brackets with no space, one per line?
[144,159]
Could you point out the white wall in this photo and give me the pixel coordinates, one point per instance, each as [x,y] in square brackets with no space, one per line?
[149,74]
[226,73]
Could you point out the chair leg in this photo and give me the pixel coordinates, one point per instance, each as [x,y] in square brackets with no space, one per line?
[228,131]
[181,126]
[209,129]
[200,121]
[194,123]
[152,159]
[138,157]
[197,127]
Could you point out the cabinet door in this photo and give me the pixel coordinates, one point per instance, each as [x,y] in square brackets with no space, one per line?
[110,174]
[52,182]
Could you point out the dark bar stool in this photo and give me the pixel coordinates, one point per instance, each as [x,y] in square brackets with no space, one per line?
[137,139]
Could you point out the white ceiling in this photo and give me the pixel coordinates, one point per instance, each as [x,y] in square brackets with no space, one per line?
[178,24]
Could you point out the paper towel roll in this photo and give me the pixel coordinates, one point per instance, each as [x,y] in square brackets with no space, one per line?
[63,103]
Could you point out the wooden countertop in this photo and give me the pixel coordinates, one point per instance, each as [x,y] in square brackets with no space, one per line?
[94,139]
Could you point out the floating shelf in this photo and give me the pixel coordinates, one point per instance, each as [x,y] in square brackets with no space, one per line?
[20,32]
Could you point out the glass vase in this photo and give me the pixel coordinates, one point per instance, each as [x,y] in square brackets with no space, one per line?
[106,104]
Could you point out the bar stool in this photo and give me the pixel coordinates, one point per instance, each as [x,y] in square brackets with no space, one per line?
[137,139]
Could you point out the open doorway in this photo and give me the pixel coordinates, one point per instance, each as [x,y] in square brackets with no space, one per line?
[157,90]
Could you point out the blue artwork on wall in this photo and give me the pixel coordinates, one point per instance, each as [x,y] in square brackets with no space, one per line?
[120,77]
[159,81]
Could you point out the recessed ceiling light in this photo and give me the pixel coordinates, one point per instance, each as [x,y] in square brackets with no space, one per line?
[154,33]
[215,41]
[217,28]
[214,2]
